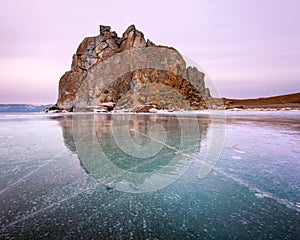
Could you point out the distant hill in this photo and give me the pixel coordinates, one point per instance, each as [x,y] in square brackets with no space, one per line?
[282,101]
[22,107]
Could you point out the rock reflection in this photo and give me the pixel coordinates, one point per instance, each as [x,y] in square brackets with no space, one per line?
[65,121]
[134,152]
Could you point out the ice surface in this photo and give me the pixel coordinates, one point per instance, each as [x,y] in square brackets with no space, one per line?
[100,176]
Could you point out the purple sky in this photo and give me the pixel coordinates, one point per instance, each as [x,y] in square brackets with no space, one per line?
[248,48]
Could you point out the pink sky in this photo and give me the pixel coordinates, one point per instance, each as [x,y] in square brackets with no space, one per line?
[248,48]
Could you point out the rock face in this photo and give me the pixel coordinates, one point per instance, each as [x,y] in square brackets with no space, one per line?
[129,71]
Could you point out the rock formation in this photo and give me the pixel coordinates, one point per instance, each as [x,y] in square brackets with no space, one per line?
[122,72]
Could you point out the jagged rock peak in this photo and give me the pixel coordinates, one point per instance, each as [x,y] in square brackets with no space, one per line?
[104,29]
[93,50]
[128,30]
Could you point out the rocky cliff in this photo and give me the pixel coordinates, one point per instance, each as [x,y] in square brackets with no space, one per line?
[122,72]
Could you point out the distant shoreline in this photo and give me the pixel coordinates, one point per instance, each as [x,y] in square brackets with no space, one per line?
[183,113]
[282,102]
[277,103]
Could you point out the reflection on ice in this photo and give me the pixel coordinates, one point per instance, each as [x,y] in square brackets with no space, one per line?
[135,153]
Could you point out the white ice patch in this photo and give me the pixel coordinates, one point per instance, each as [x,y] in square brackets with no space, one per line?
[239,151]
[236,157]
[268,195]
[264,195]
[259,195]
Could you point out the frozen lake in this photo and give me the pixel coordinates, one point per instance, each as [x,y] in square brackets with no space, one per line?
[143,176]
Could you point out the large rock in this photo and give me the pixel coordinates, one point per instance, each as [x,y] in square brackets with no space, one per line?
[129,71]
[197,79]
[68,87]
